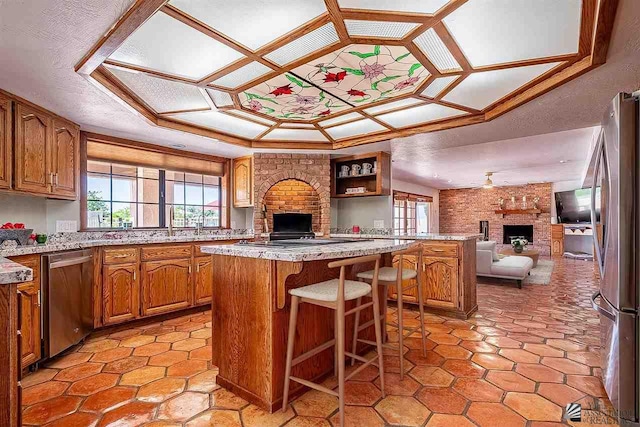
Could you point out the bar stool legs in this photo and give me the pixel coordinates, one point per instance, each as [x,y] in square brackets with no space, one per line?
[322,294]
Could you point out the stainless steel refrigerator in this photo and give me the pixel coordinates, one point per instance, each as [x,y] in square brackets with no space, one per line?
[614,167]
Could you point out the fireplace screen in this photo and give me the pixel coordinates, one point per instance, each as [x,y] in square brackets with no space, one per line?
[510,232]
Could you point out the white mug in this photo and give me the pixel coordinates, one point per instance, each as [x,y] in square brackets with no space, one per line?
[344,170]
[366,168]
[355,169]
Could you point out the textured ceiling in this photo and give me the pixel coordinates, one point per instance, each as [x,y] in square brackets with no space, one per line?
[40,42]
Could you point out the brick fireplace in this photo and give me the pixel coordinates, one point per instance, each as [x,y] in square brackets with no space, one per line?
[292,183]
[461,211]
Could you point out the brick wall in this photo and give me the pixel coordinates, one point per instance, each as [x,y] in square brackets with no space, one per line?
[298,173]
[292,195]
[462,210]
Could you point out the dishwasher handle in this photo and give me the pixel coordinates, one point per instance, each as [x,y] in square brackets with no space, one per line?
[72,261]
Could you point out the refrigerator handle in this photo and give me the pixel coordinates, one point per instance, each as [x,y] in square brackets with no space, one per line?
[597,307]
[596,171]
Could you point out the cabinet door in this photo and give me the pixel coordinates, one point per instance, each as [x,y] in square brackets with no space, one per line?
[64,159]
[440,282]
[30,311]
[411,295]
[242,182]
[32,140]
[203,282]
[5,142]
[166,286]
[556,247]
[120,293]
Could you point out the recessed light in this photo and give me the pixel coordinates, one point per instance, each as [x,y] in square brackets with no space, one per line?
[179,146]
[435,175]
[448,180]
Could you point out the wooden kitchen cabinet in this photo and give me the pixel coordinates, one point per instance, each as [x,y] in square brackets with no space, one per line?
[5,142]
[33,133]
[166,286]
[65,157]
[31,311]
[557,239]
[120,293]
[243,182]
[441,282]
[40,151]
[203,280]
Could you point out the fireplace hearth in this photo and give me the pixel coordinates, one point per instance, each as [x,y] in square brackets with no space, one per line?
[510,232]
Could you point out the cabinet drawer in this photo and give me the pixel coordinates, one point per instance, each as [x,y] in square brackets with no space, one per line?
[120,256]
[440,249]
[167,252]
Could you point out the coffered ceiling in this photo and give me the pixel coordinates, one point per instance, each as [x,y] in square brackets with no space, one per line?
[337,73]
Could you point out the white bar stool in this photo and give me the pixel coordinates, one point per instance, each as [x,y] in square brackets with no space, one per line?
[388,276]
[333,294]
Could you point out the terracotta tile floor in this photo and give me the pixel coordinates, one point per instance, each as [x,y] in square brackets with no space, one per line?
[517,362]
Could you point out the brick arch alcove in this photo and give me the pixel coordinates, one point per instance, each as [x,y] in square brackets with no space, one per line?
[293,191]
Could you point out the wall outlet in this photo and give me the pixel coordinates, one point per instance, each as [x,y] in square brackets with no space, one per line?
[66,226]
[378,223]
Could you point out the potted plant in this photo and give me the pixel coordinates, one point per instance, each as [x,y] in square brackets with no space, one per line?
[519,245]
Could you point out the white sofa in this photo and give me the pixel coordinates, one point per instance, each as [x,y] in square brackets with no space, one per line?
[489,264]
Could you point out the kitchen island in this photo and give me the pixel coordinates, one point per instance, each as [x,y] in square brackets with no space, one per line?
[250,311]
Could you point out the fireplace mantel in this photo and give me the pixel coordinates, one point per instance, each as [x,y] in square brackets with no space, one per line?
[504,212]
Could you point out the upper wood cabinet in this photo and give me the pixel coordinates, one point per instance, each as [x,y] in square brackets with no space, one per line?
[243,182]
[65,156]
[5,142]
[361,175]
[33,130]
[40,152]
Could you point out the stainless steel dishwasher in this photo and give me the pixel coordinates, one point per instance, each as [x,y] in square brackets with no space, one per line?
[67,318]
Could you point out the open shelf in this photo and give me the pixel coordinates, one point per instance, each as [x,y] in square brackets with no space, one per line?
[374,184]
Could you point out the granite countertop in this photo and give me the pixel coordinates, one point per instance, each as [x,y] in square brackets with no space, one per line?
[421,236]
[311,253]
[12,272]
[78,241]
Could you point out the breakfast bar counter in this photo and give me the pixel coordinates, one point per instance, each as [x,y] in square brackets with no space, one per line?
[250,312]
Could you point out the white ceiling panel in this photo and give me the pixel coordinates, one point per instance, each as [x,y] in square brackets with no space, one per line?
[431,45]
[220,98]
[242,75]
[160,94]
[438,85]
[422,114]
[498,31]
[341,119]
[252,23]
[392,105]
[167,45]
[361,127]
[411,6]
[222,122]
[295,135]
[253,117]
[479,90]
[308,43]
[383,29]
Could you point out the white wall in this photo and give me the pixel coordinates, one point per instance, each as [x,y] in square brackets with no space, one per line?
[362,211]
[37,212]
[423,190]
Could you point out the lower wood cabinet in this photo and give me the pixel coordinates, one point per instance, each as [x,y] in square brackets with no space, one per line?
[441,282]
[166,286]
[203,280]
[120,293]
[31,305]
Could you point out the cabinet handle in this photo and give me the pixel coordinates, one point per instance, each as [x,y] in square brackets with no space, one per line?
[437,250]
[134,275]
[51,178]
[120,256]
[197,268]
[189,269]
[39,298]
[55,176]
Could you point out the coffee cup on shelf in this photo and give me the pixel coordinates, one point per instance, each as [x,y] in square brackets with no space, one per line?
[367,168]
[344,170]
[355,169]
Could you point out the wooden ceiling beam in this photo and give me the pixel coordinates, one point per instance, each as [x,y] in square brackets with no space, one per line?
[324,132]
[293,145]
[602,35]
[438,17]
[572,57]
[422,58]
[149,72]
[336,18]
[384,16]
[453,47]
[587,26]
[137,15]
[104,78]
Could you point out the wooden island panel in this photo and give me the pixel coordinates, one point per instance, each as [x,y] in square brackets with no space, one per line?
[250,328]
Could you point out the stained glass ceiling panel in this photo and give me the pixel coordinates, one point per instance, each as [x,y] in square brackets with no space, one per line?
[525,30]
[287,97]
[252,23]
[364,74]
[167,45]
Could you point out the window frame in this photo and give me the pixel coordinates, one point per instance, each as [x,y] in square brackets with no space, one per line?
[405,203]
[162,196]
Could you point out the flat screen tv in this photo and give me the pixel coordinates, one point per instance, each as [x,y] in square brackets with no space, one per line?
[574,207]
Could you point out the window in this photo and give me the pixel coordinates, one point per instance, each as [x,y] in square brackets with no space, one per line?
[123,196]
[411,213]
